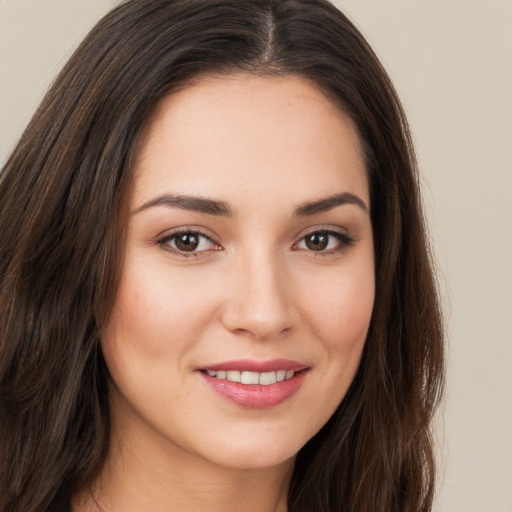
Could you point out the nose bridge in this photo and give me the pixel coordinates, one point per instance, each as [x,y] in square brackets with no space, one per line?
[259,300]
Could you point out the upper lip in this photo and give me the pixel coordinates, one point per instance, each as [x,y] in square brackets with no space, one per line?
[249,365]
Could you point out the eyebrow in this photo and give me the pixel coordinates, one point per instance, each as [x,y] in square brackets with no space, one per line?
[193,203]
[324,205]
[220,208]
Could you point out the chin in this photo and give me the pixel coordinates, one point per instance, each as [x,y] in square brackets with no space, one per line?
[253,460]
[253,453]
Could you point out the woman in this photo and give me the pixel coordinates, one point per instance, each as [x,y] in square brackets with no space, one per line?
[216,288]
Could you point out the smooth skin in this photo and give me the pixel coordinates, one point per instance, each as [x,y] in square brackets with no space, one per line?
[249,238]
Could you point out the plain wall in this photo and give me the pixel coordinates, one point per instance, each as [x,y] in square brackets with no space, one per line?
[451,61]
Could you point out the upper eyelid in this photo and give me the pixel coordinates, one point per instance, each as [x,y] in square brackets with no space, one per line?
[329,228]
[170,236]
[214,237]
[163,243]
[167,234]
[343,237]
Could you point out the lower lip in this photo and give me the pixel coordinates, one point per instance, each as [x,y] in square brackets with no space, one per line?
[256,396]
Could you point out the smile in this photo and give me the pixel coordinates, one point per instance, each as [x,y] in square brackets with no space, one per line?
[255,384]
[246,377]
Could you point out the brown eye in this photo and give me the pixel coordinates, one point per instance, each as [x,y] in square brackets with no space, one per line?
[324,241]
[317,241]
[187,242]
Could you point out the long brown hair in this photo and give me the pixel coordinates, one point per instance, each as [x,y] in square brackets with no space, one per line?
[63,196]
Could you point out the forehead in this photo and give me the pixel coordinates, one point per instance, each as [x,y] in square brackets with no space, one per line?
[244,135]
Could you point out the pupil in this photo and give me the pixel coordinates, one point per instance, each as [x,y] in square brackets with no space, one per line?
[317,241]
[187,242]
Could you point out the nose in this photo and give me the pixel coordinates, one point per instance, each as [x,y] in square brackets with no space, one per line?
[259,299]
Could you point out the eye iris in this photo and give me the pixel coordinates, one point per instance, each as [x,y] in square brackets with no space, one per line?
[317,241]
[187,242]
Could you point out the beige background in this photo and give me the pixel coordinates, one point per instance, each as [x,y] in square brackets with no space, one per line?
[451,61]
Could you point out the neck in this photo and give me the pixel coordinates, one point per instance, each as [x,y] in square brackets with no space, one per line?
[135,487]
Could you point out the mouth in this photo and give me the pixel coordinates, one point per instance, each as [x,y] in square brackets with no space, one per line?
[256,385]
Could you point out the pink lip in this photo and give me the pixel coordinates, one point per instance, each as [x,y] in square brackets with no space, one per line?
[256,396]
[247,365]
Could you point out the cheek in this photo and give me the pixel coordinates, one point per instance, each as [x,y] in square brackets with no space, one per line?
[338,314]
[157,319]
[157,311]
[341,309]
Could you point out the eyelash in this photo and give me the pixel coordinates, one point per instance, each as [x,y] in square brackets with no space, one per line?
[164,242]
[344,241]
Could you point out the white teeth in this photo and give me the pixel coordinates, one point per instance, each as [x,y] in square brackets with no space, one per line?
[268,378]
[264,379]
[249,378]
[233,376]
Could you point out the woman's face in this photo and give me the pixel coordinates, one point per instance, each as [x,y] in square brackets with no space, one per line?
[249,257]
